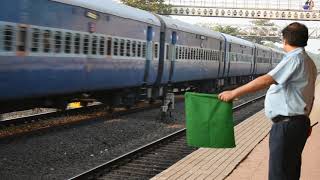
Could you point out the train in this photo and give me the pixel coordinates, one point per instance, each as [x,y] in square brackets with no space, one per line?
[53,52]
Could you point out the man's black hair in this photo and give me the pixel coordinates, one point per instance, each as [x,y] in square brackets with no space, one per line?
[296,34]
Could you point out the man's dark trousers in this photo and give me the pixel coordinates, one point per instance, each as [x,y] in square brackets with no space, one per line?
[287,139]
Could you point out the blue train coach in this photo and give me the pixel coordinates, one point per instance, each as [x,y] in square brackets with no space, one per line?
[53,51]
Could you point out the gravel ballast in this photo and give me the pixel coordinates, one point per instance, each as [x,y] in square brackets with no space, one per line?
[69,151]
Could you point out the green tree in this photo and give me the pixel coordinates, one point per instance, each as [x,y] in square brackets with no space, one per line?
[155,6]
[227,29]
[262,28]
[270,44]
[233,31]
[262,22]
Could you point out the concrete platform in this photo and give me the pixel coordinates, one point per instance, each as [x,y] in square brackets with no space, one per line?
[208,163]
[255,166]
[249,160]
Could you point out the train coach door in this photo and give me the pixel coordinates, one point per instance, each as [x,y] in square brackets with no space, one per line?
[172,54]
[225,60]
[221,59]
[255,57]
[149,54]
[252,61]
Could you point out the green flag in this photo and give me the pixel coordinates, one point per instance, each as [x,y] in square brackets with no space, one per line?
[209,121]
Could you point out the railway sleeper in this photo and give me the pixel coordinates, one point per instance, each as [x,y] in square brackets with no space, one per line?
[118,177]
[156,159]
[129,173]
[142,165]
[145,170]
[147,162]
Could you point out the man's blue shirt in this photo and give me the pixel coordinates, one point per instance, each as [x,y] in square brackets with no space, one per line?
[294,92]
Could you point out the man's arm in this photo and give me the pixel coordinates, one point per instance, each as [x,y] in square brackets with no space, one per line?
[257,84]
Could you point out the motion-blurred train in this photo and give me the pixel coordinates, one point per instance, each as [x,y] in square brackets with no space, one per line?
[56,51]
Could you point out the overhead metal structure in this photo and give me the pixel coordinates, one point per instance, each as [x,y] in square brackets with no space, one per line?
[272,32]
[255,9]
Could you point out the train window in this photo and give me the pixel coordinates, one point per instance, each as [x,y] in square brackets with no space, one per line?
[134,48]
[86,40]
[128,53]
[231,57]
[35,40]
[21,43]
[67,45]
[241,58]
[192,54]
[77,41]
[8,37]
[109,44]
[189,54]
[183,52]
[57,42]
[206,55]
[197,54]
[139,49]
[122,47]
[212,56]
[46,41]
[102,45]
[186,53]
[115,46]
[203,53]
[94,45]
[144,49]
[180,52]
[156,51]
[167,51]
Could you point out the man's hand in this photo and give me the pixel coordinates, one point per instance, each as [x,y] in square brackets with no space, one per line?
[227,96]
[257,84]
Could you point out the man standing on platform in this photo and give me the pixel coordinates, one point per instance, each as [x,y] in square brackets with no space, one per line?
[288,103]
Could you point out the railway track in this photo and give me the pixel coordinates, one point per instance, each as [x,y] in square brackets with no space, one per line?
[149,160]
[49,115]
[50,121]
